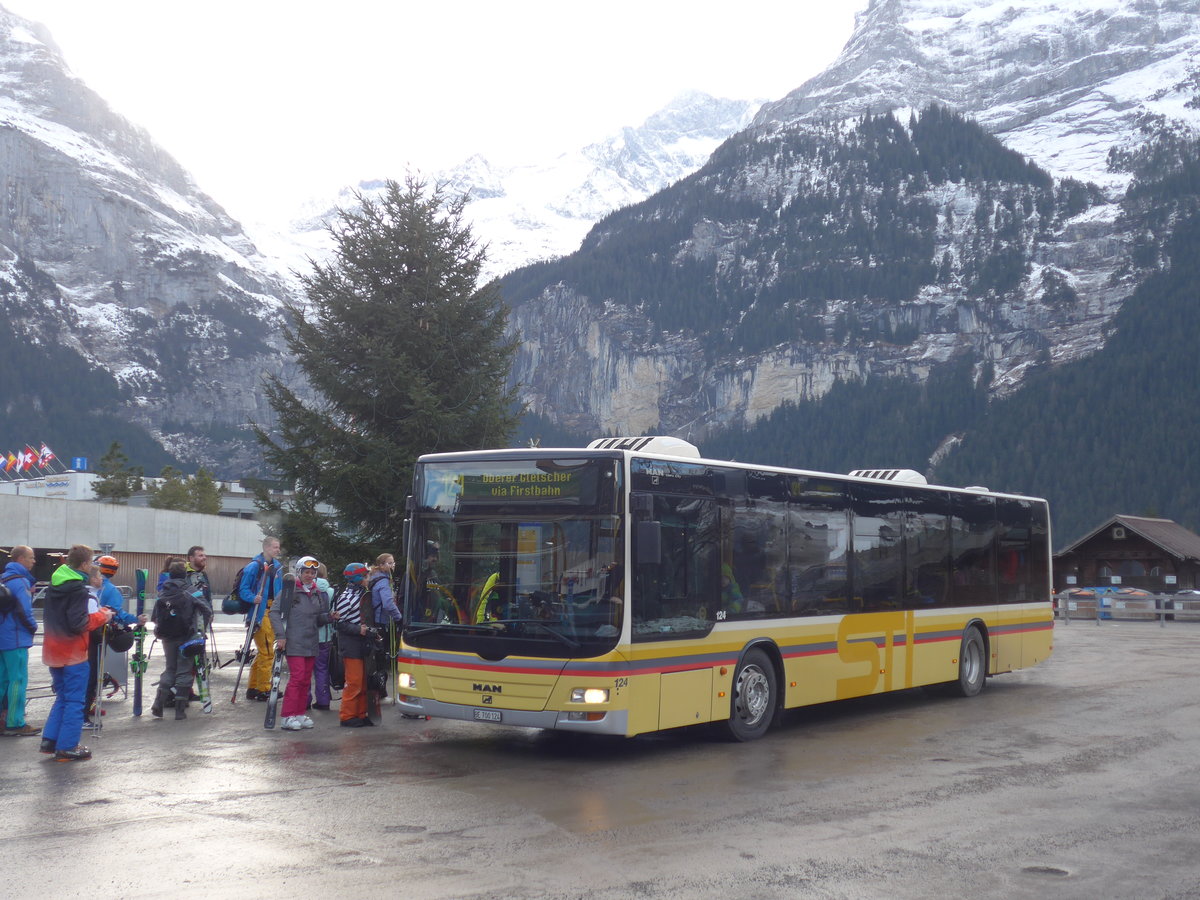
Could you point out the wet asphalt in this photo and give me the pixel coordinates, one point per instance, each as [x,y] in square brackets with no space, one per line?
[1078,778]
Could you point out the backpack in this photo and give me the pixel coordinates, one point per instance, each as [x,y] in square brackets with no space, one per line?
[8,600]
[234,605]
[176,613]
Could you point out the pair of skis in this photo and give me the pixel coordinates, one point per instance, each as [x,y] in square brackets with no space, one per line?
[285,600]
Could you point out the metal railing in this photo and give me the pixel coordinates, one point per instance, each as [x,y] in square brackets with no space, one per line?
[1108,607]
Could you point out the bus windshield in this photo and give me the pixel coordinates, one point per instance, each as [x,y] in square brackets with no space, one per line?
[516,557]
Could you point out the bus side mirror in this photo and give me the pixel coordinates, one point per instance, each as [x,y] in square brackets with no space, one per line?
[648,551]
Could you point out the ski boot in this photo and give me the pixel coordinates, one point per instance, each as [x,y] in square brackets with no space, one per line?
[160,700]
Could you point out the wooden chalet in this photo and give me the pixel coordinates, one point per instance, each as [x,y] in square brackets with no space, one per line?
[1132,551]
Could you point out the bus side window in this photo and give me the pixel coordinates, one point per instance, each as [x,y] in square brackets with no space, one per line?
[754,572]
[818,548]
[685,582]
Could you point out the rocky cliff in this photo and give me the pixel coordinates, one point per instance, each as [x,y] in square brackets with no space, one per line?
[148,279]
[863,225]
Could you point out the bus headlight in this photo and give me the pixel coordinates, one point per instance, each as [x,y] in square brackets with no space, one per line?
[589,695]
[406,680]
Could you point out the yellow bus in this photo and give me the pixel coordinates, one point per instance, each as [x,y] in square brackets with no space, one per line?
[634,586]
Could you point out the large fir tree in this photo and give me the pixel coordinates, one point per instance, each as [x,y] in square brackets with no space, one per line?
[406,354]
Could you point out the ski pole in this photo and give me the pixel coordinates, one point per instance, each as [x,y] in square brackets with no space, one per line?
[251,627]
[100,669]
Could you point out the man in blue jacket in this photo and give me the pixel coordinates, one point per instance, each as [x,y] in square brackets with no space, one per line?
[16,637]
[262,581]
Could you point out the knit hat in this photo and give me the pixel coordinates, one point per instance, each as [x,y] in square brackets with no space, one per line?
[355,572]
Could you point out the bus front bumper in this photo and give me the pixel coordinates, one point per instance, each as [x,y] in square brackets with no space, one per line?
[615,721]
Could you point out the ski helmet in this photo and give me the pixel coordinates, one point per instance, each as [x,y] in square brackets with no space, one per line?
[119,638]
[307,563]
[108,565]
[355,572]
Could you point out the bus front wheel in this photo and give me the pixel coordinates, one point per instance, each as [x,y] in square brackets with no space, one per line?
[752,706]
[972,664]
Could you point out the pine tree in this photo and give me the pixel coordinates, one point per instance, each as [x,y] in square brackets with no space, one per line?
[173,493]
[118,480]
[405,353]
[204,494]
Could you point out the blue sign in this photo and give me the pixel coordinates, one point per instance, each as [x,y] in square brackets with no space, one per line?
[79,463]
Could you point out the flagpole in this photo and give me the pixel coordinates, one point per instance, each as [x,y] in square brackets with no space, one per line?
[38,456]
[53,460]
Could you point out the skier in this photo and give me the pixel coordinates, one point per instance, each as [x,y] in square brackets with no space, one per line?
[174,616]
[383,599]
[17,629]
[109,595]
[195,579]
[296,627]
[321,691]
[261,578]
[355,644]
[68,618]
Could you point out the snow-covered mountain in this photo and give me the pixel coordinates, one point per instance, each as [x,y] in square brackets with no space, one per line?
[543,209]
[109,247]
[1060,81]
[820,247]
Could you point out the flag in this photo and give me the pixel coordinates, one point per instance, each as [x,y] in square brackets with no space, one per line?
[11,465]
[45,457]
[30,457]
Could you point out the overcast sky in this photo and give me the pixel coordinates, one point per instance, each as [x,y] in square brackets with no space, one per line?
[269,102]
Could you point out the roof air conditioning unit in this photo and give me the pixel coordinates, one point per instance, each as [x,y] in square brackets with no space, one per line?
[901,476]
[667,446]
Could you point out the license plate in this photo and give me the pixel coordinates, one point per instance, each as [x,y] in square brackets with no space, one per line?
[487,715]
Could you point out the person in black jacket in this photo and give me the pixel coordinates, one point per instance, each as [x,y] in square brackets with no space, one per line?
[176,616]
[354,643]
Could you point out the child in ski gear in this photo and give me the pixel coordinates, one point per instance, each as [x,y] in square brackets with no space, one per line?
[175,617]
[296,624]
[68,618]
[321,692]
[110,596]
[17,628]
[262,580]
[355,644]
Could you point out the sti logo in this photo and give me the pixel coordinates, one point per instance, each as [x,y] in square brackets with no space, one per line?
[487,688]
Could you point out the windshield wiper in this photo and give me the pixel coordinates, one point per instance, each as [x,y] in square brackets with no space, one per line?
[568,641]
[427,627]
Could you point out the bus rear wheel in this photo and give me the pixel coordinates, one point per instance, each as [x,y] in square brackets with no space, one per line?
[972,664]
[752,706]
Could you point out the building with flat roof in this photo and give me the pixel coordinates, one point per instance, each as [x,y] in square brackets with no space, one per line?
[140,537]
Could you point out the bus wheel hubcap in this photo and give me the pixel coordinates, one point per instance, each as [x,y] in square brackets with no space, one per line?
[753,693]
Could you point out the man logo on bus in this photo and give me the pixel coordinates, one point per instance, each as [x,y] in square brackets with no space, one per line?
[487,688]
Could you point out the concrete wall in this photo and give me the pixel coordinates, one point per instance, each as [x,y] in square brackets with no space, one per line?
[57,524]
